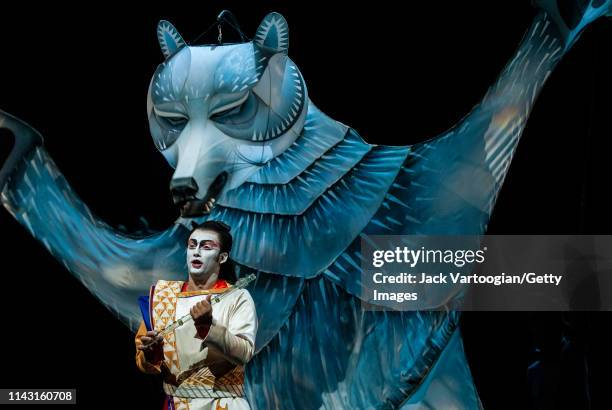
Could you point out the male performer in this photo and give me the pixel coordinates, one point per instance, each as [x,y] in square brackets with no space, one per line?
[203,360]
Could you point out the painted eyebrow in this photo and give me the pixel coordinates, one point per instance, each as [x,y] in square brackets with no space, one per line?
[204,241]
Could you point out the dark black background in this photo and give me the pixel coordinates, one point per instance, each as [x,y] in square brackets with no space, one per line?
[79,74]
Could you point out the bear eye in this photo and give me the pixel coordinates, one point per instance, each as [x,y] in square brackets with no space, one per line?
[177,121]
[226,113]
[173,119]
[230,108]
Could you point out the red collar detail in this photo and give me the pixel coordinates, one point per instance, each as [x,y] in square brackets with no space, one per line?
[220,284]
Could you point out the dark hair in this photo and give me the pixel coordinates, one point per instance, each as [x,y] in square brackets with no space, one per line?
[227,270]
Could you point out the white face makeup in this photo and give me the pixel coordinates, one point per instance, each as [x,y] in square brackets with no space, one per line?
[204,255]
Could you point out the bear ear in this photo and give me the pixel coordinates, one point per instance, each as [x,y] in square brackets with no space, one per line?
[169,38]
[273,34]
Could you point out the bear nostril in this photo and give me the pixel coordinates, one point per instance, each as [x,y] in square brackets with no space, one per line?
[183,189]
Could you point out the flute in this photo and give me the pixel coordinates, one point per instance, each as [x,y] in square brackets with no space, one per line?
[240,284]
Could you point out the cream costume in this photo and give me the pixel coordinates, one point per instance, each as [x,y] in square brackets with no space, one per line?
[203,368]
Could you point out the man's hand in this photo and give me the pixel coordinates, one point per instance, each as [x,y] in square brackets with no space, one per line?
[201,312]
[152,344]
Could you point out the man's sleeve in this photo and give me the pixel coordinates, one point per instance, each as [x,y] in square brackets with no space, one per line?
[237,341]
[141,361]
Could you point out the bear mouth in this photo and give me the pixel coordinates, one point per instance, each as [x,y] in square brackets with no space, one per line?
[194,207]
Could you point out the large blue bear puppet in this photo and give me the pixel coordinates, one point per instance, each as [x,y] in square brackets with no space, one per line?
[300,190]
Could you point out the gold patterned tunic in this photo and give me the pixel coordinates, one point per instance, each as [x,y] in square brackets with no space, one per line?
[202,368]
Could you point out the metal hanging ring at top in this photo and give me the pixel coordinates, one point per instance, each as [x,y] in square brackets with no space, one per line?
[225,17]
